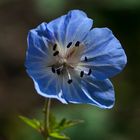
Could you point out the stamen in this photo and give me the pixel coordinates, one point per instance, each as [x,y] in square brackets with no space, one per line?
[69,77]
[53,69]
[69,44]
[77,43]
[69,81]
[89,72]
[82,74]
[58,71]
[54,47]
[55,53]
[86,59]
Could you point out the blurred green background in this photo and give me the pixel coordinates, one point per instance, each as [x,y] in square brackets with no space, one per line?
[17,93]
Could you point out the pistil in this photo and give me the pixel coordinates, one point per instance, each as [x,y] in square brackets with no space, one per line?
[68,61]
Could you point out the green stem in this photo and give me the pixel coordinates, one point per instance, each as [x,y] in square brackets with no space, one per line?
[48,114]
[47,118]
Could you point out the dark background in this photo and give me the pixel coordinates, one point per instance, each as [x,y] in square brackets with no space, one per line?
[17,93]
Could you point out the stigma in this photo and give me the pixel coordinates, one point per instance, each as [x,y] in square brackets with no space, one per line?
[67,60]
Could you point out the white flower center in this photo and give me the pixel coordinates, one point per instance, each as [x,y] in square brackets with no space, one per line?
[67,60]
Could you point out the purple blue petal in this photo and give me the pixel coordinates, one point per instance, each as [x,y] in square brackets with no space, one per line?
[71,27]
[105,54]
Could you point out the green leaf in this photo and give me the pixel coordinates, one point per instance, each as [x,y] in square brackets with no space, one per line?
[58,136]
[70,123]
[63,124]
[31,122]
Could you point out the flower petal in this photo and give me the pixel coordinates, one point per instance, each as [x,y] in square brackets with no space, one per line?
[46,83]
[38,52]
[89,91]
[78,25]
[37,59]
[49,87]
[71,27]
[43,31]
[73,93]
[36,45]
[104,52]
[57,27]
[101,92]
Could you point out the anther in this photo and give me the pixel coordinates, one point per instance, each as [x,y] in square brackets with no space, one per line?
[86,59]
[54,47]
[53,69]
[77,43]
[69,81]
[69,44]
[81,73]
[58,71]
[55,53]
[89,72]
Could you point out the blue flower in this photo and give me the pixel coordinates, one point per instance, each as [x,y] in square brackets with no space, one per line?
[71,62]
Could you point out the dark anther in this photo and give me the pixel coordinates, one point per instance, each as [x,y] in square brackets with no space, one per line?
[69,44]
[89,72]
[58,71]
[70,81]
[55,53]
[77,43]
[53,69]
[54,47]
[82,74]
[86,59]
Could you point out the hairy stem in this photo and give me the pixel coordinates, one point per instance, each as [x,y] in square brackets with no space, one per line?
[46,118]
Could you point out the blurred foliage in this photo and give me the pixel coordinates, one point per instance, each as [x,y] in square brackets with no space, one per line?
[97,123]
[55,129]
[17,93]
[50,7]
[125,4]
